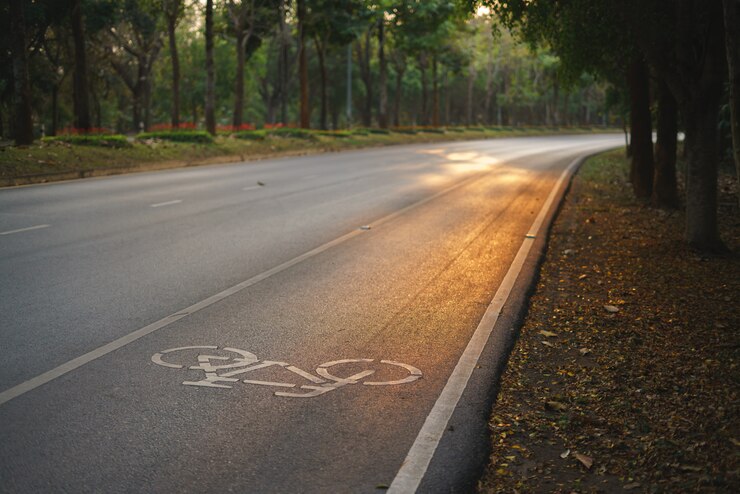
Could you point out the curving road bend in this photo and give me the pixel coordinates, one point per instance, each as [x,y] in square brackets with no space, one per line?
[277,326]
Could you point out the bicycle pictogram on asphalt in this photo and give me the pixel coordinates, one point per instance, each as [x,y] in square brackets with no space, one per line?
[221,371]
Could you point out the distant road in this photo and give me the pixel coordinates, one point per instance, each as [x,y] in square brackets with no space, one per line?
[354,279]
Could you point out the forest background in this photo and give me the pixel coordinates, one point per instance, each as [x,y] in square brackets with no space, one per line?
[401,63]
[228,66]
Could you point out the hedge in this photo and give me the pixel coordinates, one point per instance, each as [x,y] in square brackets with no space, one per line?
[197,136]
[107,141]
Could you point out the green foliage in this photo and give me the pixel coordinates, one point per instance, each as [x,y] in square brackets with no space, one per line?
[250,135]
[334,133]
[130,76]
[293,133]
[197,136]
[106,141]
[373,130]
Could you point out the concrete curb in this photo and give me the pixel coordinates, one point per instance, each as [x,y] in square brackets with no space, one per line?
[464,451]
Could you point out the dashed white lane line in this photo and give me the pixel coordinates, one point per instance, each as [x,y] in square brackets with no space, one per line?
[78,362]
[168,203]
[28,229]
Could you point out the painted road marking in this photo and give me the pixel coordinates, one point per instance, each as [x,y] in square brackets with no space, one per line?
[28,229]
[245,362]
[417,460]
[168,203]
[114,345]
[252,187]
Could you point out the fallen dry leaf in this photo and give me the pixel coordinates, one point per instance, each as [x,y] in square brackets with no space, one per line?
[556,405]
[611,308]
[565,454]
[547,343]
[587,461]
[547,333]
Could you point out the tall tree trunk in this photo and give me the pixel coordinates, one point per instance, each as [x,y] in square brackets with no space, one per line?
[435,93]
[641,170]
[700,108]
[241,43]
[363,57]
[210,104]
[424,90]
[397,99]
[732,45]
[283,66]
[665,192]
[383,76]
[555,100]
[22,86]
[147,90]
[80,86]
[322,70]
[138,124]
[701,117]
[303,66]
[469,103]
[54,110]
[174,57]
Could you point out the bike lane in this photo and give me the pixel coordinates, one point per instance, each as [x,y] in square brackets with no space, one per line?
[410,291]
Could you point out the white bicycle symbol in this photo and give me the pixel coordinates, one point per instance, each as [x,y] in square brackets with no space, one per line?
[241,362]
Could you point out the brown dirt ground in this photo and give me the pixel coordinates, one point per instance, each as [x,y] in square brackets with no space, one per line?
[625,376]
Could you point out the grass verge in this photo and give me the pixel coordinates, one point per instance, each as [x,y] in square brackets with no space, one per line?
[624,377]
[60,159]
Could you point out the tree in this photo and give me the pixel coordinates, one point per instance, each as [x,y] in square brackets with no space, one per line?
[249,22]
[424,28]
[173,10]
[210,103]
[305,114]
[81,89]
[22,85]
[665,191]
[607,38]
[732,47]
[135,46]
[686,44]
[331,24]
[641,130]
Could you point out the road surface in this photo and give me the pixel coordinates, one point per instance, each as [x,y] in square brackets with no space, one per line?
[286,325]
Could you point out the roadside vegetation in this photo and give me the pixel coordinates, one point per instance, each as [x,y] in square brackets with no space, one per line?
[75,156]
[625,374]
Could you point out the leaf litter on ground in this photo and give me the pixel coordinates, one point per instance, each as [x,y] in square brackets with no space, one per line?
[653,392]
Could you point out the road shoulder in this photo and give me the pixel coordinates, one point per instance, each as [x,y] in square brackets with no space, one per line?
[624,376]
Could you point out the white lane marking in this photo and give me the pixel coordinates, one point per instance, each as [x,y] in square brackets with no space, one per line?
[253,187]
[114,345]
[168,203]
[417,460]
[28,229]
[248,362]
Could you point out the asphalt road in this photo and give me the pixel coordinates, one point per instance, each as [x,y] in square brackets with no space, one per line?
[301,276]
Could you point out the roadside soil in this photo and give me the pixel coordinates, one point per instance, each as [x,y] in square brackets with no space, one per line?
[625,375]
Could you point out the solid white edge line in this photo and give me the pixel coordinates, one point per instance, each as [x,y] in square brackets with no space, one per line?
[37,227]
[417,460]
[168,203]
[75,363]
